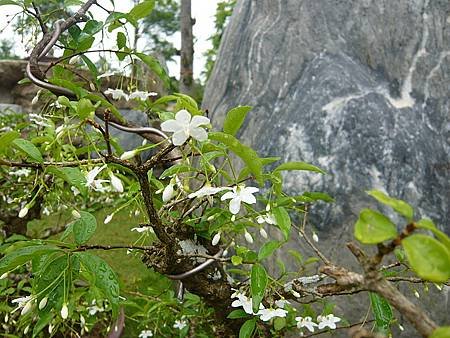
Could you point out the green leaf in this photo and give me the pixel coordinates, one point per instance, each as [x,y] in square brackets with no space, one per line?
[6,139]
[84,227]
[239,313]
[373,227]
[283,221]
[299,166]
[104,278]
[177,169]
[29,149]
[247,328]
[247,154]
[121,40]
[267,249]
[155,66]
[258,284]
[44,319]
[85,108]
[92,27]
[399,206]
[52,270]
[234,119]
[279,323]
[73,176]
[428,257]
[428,224]
[21,256]
[441,332]
[92,67]
[141,10]
[236,260]
[85,43]
[382,312]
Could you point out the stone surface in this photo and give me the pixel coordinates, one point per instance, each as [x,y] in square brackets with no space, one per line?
[359,88]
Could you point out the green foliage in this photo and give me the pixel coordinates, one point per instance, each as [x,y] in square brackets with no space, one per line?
[428,257]
[247,328]
[373,227]
[234,119]
[382,312]
[399,206]
[258,285]
[441,332]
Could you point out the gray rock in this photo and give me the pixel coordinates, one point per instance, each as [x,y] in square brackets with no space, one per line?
[359,88]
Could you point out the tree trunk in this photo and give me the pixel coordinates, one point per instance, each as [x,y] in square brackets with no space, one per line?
[187,48]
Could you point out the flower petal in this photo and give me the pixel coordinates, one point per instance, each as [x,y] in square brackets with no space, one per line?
[183,117]
[228,195]
[179,137]
[171,126]
[198,120]
[199,134]
[235,205]
[248,198]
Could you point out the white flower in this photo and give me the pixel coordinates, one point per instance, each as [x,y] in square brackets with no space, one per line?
[20,172]
[305,322]
[216,239]
[43,303]
[268,218]
[328,321]
[35,99]
[117,94]
[248,237]
[416,294]
[64,311]
[76,214]
[240,194]
[23,212]
[75,190]
[180,324]
[92,174]
[207,190]
[143,229]
[281,303]
[268,314]
[24,303]
[263,233]
[107,74]
[245,302]
[93,309]
[185,126]
[315,237]
[108,219]
[46,211]
[56,105]
[145,334]
[140,95]
[116,182]
[168,193]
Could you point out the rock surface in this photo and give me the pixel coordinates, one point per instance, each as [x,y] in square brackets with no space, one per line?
[359,88]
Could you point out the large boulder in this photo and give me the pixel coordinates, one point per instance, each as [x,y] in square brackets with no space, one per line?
[359,88]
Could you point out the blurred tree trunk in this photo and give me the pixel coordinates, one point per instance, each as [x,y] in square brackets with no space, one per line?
[187,48]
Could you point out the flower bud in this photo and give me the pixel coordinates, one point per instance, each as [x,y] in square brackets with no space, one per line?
[43,303]
[168,193]
[27,308]
[23,212]
[74,60]
[233,218]
[108,219]
[268,207]
[92,86]
[64,311]
[5,275]
[216,239]
[248,237]
[128,155]
[116,182]
[263,233]
[76,214]
[315,237]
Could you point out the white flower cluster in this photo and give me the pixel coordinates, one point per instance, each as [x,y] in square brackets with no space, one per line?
[118,94]
[39,120]
[322,322]
[263,313]
[97,185]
